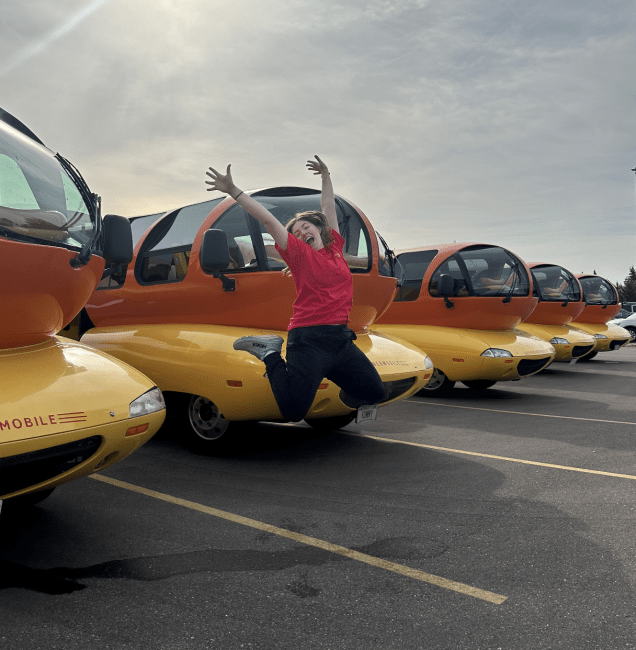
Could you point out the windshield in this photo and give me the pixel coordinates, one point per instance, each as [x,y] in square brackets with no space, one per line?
[38,200]
[483,271]
[554,283]
[598,291]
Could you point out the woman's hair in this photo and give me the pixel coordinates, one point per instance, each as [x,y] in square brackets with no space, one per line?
[316,218]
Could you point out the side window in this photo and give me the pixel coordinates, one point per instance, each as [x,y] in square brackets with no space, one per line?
[357,248]
[170,266]
[139,225]
[234,223]
[415,265]
[572,291]
[185,226]
[114,277]
[167,256]
[452,268]
[362,246]
[274,261]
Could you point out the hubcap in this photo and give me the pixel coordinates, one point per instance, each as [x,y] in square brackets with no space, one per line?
[206,419]
[436,381]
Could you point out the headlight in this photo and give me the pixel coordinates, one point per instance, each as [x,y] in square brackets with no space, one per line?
[558,341]
[496,352]
[149,402]
[428,363]
[600,336]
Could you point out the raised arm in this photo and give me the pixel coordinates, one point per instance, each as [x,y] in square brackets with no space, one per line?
[327,200]
[224,183]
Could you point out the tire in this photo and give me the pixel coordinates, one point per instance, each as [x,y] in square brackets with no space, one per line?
[331,424]
[438,384]
[632,332]
[208,432]
[587,357]
[479,384]
[28,500]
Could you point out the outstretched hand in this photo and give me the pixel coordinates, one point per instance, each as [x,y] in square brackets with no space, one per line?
[317,167]
[223,183]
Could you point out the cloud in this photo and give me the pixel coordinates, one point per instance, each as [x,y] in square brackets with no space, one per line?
[510,122]
[39,47]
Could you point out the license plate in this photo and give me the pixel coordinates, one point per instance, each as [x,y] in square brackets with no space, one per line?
[367,413]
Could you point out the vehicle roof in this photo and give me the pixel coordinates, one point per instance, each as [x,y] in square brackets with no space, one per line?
[454,246]
[15,123]
[533,265]
[592,275]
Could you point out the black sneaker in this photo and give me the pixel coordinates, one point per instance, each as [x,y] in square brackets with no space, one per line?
[260,346]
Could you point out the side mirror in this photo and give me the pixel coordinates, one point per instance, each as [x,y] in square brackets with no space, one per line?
[446,288]
[118,242]
[215,256]
[446,285]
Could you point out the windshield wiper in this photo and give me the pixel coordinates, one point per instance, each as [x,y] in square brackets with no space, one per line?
[514,269]
[93,203]
[395,267]
[346,219]
[571,292]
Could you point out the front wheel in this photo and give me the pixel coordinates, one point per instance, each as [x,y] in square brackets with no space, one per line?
[438,383]
[331,424]
[209,431]
[479,384]
[632,332]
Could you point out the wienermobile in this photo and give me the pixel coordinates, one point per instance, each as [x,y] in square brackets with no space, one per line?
[461,302]
[205,274]
[560,300]
[601,305]
[66,410]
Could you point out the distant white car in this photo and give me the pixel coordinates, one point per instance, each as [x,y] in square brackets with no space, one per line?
[628,323]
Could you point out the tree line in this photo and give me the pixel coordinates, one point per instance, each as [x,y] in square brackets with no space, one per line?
[627,289]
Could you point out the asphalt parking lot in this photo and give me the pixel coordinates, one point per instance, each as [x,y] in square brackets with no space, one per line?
[482,520]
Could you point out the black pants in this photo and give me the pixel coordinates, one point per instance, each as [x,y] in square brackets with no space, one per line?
[314,353]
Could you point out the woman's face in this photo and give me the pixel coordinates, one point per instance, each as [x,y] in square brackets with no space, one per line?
[307,232]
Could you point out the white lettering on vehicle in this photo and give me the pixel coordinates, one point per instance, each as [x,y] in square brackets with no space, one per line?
[388,362]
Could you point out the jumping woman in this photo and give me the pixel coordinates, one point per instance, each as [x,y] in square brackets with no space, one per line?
[319,343]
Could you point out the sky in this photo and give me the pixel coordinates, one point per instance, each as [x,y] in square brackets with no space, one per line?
[498,121]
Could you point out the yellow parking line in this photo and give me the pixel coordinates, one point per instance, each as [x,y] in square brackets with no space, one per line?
[474,453]
[538,415]
[312,541]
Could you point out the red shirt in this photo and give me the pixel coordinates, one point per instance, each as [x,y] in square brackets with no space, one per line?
[324,287]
